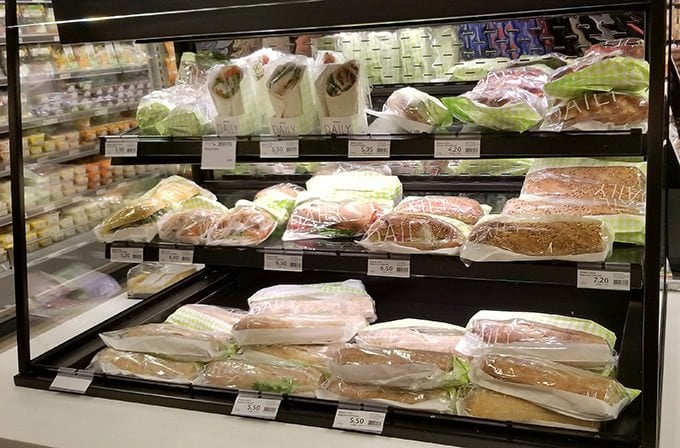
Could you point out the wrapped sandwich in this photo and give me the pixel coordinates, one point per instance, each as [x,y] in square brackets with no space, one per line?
[490,167]
[181,110]
[257,62]
[433,400]
[289,87]
[316,218]
[415,111]
[266,377]
[245,225]
[528,238]
[149,278]
[563,389]
[568,340]
[415,233]
[398,368]
[171,342]
[233,92]
[141,365]
[188,226]
[475,401]
[208,318]
[354,185]
[630,47]
[412,334]
[279,199]
[460,208]
[317,356]
[301,329]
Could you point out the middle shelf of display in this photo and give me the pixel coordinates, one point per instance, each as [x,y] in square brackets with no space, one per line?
[350,258]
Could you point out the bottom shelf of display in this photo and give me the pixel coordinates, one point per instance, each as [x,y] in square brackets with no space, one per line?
[394,299]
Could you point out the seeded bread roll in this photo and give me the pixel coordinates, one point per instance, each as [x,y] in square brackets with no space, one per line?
[115,362]
[518,206]
[457,207]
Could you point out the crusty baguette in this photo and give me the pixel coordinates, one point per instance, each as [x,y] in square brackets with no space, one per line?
[312,355]
[356,392]
[367,356]
[517,206]
[461,208]
[140,364]
[547,374]
[485,403]
[271,321]
[509,332]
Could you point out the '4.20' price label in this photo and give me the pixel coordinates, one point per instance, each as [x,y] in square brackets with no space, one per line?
[457,149]
[610,280]
[368,148]
[274,262]
[265,408]
[389,268]
[127,254]
[364,421]
[176,256]
[280,149]
[121,148]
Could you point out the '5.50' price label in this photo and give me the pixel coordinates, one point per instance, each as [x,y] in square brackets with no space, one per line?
[125,147]
[176,256]
[364,421]
[368,148]
[265,408]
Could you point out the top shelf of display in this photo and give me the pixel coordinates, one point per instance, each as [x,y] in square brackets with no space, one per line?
[157,20]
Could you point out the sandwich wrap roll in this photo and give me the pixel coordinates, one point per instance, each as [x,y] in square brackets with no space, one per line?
[289,88]
[232,88]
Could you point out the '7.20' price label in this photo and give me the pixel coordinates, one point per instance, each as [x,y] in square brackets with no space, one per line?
[389,268]
[368,148]
[265,408]
[597,279]
[364,421]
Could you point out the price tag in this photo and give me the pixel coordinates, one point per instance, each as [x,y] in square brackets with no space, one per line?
[127,254]
[176,256]
[55,38]
[364,421]
[274,262]
[218,154]
[75,382]
[227,126]
[597,279]
[100,111]
[49,122]
[265,408]
[389,268]
[123,147]
[64,75]
[276,149]
[457,148]
[368,148]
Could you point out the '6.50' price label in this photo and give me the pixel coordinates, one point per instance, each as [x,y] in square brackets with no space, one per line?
[274,262]
[368,148]
[389,268]
[275,149]
[457,149]
[265,408]
[364,421]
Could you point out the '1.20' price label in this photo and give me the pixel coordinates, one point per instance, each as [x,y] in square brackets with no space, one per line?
[457,149]
[265,408]
[597,279]
[280,149]
[368,148]
[389,268]
[274,262]
[364,421]
[127,254]
[176,256]
[121,148]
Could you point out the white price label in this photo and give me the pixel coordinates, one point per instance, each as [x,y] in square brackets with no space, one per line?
[596,279]
[176,256]
[364,421]
[75,383]
[289,149]
[227,126]
[64,75]
[265,408]
[389,268]
[55,38]
[368,148]
[274,262]
[457,149]
[218,154]
[127,254]
[121,148]
[49,122]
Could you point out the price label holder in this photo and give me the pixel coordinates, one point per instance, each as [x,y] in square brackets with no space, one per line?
[596,277]
[256,405]
[389,267]
[283,262]
[176,256]
[72,381]
[121,147]
[368,148]
[127,254]
[280,149]
[468,147]
[218,154]
[360,417]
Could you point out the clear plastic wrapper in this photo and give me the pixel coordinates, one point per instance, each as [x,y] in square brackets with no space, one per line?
[568,340]
[338,298]
[171,342]
[188,226]
[412,334]
[339,188]
[598,111]
[415,233]
[433,400]
[398,368]
[302,329]
[505,100]
[564,389]
[181,110]
[354,169]
[475,401]
[415,111]
[599,73]
[245,225]
[258,61]
[149,278]
[476,69]
[527,238]
[209,318]
[630,46]
[491,167]
[233,91]
[457,207]
[279,199]
[318,356]
[316,218]
[265,377]
[141,365]
[194,67]
[290,91]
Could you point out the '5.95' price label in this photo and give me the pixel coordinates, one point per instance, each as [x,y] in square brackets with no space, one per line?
[368,148]
[364,421]
[457,149]
[389,268]
[265,408]
[275,149]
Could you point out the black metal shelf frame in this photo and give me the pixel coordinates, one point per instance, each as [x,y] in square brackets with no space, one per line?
[634,315]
